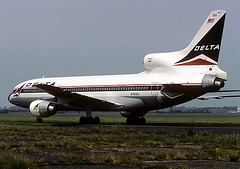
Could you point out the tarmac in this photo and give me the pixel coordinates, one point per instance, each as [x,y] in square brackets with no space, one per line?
[161,127]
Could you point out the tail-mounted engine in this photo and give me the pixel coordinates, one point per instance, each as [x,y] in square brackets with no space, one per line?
[42,108]
[212,83]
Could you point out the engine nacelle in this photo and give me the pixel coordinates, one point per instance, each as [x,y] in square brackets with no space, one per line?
[42,108]
[211,82]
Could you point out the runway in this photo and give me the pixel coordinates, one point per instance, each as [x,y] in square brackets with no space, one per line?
[169,127]
[226,129]
[206,123]
[178,128]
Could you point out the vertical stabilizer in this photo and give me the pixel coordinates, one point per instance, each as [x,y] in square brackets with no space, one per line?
[204,48]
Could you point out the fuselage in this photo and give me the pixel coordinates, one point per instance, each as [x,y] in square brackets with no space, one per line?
[134,91]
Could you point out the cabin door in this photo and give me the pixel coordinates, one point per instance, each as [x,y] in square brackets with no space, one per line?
[155,88]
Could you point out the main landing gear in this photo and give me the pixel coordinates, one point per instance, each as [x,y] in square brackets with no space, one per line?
[39,120]
[89,119]
[136,121]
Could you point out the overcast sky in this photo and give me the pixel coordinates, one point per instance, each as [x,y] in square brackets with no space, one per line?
[92,37]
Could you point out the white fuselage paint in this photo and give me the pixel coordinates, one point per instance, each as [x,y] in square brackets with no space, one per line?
[134,91]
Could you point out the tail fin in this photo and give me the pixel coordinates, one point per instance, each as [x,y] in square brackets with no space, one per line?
[204,48]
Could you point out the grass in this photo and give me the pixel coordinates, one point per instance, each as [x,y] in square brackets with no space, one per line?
[210,119]
[26,142]
[116,118]
[9,160]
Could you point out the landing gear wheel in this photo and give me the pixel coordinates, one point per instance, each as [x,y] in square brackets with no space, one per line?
[82,120]
[89,120]
[130,121]
[142,120]
[136,121]
[96,120]
[39,120]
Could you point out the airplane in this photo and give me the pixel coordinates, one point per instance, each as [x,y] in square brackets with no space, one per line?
[170,79]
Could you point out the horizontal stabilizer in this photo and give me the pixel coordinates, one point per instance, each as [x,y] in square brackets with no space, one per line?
[221,96]
[216,97]
[223,91]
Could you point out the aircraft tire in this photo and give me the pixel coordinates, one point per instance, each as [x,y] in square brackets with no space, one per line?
[136,121]
[142,120]
[96,120]
[82,120]
[129,121]
[89,120]
[39,120]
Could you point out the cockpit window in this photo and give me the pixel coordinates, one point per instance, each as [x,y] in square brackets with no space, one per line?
[18,90]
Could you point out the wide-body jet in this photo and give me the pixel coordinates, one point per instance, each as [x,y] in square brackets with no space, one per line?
[169,79]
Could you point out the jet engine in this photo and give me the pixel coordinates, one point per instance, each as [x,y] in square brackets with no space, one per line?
[42,108]
[212,83]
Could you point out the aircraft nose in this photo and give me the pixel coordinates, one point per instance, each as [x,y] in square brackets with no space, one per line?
[10,98]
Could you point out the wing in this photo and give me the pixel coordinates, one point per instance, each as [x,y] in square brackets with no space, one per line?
[76,99]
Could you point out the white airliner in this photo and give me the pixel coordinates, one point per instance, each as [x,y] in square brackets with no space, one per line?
[170,79]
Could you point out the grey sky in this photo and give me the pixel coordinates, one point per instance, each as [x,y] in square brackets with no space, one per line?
[93,37]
